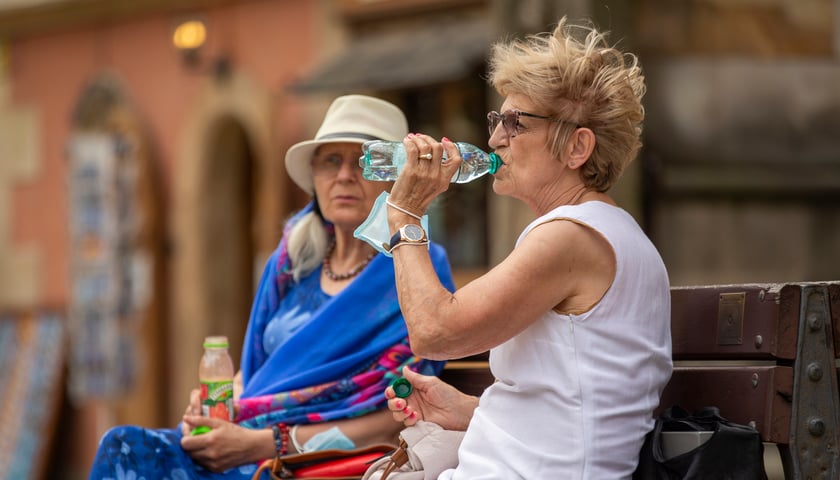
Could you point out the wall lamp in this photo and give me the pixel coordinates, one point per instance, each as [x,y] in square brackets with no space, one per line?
[188,37]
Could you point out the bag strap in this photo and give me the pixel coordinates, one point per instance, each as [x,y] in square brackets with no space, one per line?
[266,465]
[398,459]
[706,419]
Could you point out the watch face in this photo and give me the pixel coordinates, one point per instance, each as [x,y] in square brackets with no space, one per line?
[413,233]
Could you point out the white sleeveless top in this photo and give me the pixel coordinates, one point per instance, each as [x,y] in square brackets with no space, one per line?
[575,394]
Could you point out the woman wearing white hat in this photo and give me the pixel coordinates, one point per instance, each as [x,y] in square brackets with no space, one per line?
[325,337]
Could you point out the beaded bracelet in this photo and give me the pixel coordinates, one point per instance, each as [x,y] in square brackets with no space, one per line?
[281,438]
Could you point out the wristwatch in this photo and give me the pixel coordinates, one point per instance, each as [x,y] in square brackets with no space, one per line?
[409,234]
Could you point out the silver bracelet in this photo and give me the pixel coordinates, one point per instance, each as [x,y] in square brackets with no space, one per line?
[388,201]
[407,243]
[293,437]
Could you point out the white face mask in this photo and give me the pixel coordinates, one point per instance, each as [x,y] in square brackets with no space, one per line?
[375,229]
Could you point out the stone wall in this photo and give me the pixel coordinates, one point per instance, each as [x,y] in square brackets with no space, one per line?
[742,157]
[19,165]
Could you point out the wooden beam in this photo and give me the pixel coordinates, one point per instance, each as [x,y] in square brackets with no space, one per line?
[71,14]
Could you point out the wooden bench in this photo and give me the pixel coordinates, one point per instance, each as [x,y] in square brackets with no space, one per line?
[765,354]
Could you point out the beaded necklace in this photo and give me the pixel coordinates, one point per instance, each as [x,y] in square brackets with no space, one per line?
[344,276]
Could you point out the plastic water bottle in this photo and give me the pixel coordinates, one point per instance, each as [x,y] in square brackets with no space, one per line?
[382,160]
[215,373]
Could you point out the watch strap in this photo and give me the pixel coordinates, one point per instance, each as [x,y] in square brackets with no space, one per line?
[399,238]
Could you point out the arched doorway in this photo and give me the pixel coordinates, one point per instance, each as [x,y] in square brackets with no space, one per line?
[227,200]
[229,215]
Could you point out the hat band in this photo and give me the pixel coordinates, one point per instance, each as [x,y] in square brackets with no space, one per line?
[348,134]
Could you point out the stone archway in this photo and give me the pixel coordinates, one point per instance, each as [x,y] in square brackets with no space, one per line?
[226,204]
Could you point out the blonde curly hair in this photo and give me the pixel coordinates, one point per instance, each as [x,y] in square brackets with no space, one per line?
[577,77]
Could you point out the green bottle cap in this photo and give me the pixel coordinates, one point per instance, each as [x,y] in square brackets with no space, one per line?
[402,387]
[495,163]
[200,429]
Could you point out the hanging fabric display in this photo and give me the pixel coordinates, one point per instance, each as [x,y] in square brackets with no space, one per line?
[104,269]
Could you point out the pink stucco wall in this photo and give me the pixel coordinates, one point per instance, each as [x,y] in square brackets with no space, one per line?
[271,41]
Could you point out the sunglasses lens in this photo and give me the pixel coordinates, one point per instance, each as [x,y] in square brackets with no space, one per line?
[492,122]
[510,121]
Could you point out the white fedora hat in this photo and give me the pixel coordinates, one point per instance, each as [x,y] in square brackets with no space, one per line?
[351,118]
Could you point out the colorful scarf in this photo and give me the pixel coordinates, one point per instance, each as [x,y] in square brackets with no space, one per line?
[338,364]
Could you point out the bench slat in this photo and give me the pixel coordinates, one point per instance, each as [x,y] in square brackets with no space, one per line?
[834,305]
[469,377]
[734,322]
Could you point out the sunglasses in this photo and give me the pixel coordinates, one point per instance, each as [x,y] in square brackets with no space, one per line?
[510,121]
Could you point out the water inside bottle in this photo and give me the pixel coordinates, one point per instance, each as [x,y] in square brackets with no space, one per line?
[383,161]
[473,166]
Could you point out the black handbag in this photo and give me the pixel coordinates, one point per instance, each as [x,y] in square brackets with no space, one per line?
[733,452]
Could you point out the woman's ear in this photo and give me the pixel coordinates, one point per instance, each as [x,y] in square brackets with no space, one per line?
[579,147]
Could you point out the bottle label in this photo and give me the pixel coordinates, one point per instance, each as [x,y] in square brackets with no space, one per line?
[217,400]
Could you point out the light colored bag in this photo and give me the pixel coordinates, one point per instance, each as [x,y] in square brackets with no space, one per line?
[425,451]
